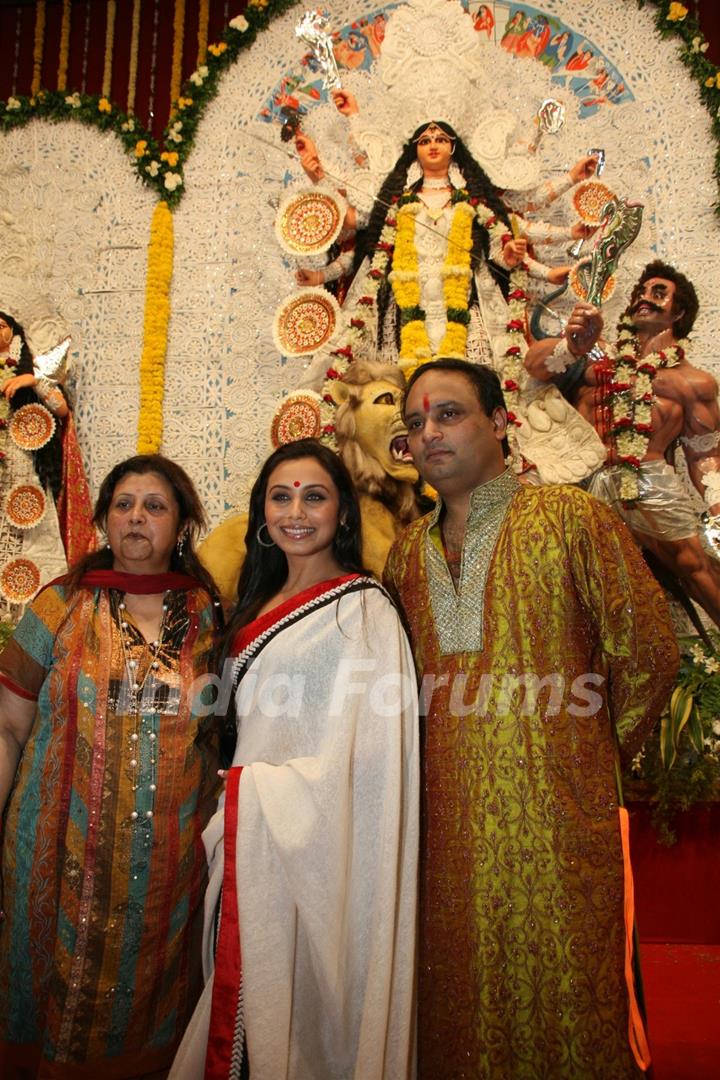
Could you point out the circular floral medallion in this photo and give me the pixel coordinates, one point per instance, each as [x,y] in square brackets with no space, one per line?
[25,506]
[298,417]
[305,322]
[590,199]
[32,426]
[19,581]
[579,281]
[309,222]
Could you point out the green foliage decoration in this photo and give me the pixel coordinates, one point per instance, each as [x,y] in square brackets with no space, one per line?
[679,764]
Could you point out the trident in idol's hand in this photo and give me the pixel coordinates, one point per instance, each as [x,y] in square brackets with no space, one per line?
[312,30]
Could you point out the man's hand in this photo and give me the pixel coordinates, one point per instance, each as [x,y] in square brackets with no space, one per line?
[583,329]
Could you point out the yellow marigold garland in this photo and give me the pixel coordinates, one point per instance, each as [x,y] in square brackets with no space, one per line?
[202,34]
[38,46]
[134,50]
[109,42]
[178,39]
[155,330]
[64,46]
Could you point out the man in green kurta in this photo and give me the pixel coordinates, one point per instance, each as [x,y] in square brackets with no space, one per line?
[545,650]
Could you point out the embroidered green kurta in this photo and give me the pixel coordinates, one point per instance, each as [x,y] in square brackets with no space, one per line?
[555,650]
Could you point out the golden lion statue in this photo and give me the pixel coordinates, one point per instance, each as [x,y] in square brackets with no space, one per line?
[372,441]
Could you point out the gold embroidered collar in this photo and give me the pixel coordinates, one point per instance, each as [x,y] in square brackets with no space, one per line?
[458,613]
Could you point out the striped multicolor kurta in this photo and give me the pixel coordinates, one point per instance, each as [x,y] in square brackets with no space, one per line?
[99,953]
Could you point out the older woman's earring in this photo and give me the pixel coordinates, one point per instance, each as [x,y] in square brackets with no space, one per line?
[180,545]
[414,174]
[258,537]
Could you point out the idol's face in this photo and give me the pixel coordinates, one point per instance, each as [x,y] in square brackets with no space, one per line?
[6,335]
[434,152]
[652,305]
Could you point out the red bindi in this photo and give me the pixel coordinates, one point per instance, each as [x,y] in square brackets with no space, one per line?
[296,483]
[426,403]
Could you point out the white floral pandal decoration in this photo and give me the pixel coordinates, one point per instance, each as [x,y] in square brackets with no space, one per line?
[31,548]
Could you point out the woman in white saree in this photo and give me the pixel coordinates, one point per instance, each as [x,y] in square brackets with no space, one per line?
[313,851]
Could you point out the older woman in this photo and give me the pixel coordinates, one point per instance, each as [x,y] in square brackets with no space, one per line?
[103,864]
[316,845]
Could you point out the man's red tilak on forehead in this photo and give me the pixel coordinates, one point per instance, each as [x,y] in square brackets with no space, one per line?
[426,403]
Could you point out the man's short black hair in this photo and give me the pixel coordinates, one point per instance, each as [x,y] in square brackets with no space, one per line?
[484,380]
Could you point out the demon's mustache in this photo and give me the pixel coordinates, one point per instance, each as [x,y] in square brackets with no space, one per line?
[645,303]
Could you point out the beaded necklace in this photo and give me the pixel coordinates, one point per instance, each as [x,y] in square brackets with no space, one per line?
[143,741]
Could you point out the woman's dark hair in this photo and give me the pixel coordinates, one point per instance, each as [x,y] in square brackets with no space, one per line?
[479,186]
[192,518]
[48,459]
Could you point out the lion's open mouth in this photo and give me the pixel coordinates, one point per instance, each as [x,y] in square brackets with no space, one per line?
[399,449]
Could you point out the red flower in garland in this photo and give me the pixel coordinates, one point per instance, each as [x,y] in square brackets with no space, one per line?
[514,350]
[357,323]
[518,294]
[368,301]
[623,424]
[331,373]
[510,385]
[515,324]
[512,419]
[345,351]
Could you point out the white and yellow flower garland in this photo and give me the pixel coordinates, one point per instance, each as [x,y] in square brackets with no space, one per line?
[155,330]
[630,396]
[396,245]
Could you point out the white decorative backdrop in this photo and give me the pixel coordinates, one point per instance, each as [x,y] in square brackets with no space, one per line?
[86,221]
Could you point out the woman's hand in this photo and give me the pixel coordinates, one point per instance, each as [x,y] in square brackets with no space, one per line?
[581,231]
[18,382]
[557,275]
[514,252]
[309,277]
[584,168]
[345,102]
[309,157]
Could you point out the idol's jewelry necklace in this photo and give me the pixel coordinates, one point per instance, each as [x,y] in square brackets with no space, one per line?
[143,739]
